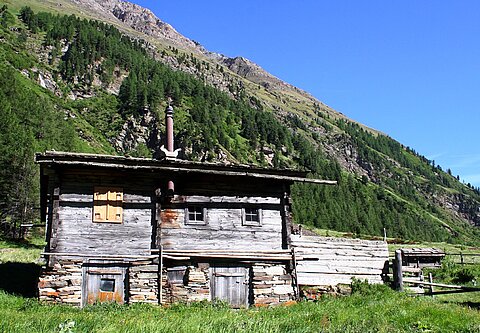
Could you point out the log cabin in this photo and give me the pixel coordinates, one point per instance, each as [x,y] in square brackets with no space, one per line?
[165,230]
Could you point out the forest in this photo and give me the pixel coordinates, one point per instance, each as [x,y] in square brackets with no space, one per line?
[86,55]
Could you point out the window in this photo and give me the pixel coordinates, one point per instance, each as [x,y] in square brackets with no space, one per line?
[252,216]
[107,285]
[107,204]
[176,275]
[195,215]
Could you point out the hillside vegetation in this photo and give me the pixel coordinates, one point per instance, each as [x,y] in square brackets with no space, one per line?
[68,83]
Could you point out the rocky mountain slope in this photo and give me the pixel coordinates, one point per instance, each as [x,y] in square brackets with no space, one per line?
[378,166]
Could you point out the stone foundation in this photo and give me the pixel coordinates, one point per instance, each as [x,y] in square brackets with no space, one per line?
[143,283]
[272,284]
[62,283]
[195,286]
[316,292]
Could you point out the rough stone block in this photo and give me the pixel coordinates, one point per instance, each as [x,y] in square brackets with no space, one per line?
[282,289]
[275,270]
[262,291]
[266,300]
[147,275]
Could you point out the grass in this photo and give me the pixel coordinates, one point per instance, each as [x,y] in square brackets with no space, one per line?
[369,309]
[24,251]
[376,309]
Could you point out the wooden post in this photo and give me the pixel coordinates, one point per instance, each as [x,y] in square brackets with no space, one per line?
[294,262]
[397,271]
[160,289]
[461,258]
[384,234]
[430,279]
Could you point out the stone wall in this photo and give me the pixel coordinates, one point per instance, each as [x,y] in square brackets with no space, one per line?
[195,287]
[62,284]
[143,283]
[272,284]
[316,292]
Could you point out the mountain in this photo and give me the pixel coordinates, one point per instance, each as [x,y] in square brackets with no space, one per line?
[104,87]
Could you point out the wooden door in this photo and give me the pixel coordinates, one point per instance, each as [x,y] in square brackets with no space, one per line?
[101,285]
[230,283]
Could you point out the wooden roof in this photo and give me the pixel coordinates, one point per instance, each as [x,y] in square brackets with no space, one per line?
[422,252]
[54,158]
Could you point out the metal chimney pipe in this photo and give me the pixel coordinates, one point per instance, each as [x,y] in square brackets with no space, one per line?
[169,124]
[169,129]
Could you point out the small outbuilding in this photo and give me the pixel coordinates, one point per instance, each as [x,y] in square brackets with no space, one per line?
[422,257]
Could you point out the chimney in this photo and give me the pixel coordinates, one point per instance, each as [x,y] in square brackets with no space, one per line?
[170,153]
[169,129]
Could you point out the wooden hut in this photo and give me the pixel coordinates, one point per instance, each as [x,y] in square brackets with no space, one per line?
[422,257]
[141,230]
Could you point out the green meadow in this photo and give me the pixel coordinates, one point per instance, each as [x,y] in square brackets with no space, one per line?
[368,309]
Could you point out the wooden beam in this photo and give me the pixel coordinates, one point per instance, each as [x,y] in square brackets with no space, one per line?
[226,251]
[226,255]
[96,256]
[445,292]
[440,285]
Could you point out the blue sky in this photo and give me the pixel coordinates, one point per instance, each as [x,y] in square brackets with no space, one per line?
[410,69]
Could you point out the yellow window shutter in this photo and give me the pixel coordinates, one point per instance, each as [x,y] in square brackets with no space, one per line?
[100,212]
[115,194]
[115,211]
[100,193]
[107,204]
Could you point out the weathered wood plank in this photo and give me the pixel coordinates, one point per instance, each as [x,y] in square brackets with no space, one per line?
[378,264]
[330,261]
[317,246]
[248,243]
[330,269]
[328,280]
[228,199]
[332,240]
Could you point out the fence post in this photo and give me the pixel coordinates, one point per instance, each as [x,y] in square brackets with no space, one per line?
[430,279]
[397,271]
[461,258]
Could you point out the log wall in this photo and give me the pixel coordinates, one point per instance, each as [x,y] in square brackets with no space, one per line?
[328,261]
[224,227]
[73,226]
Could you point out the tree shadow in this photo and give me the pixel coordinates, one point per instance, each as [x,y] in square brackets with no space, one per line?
[25,244]
[20,278]
[472,305]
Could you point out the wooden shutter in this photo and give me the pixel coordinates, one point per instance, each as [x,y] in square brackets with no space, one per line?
[100,199]
[107,204]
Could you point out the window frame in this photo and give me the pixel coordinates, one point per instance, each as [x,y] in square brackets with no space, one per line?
[106,198]
[252,223]
[176,274]
[108,281]
[188,221]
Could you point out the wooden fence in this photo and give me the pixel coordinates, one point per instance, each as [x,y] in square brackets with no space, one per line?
[418,282]
[464,258]
[324,261]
